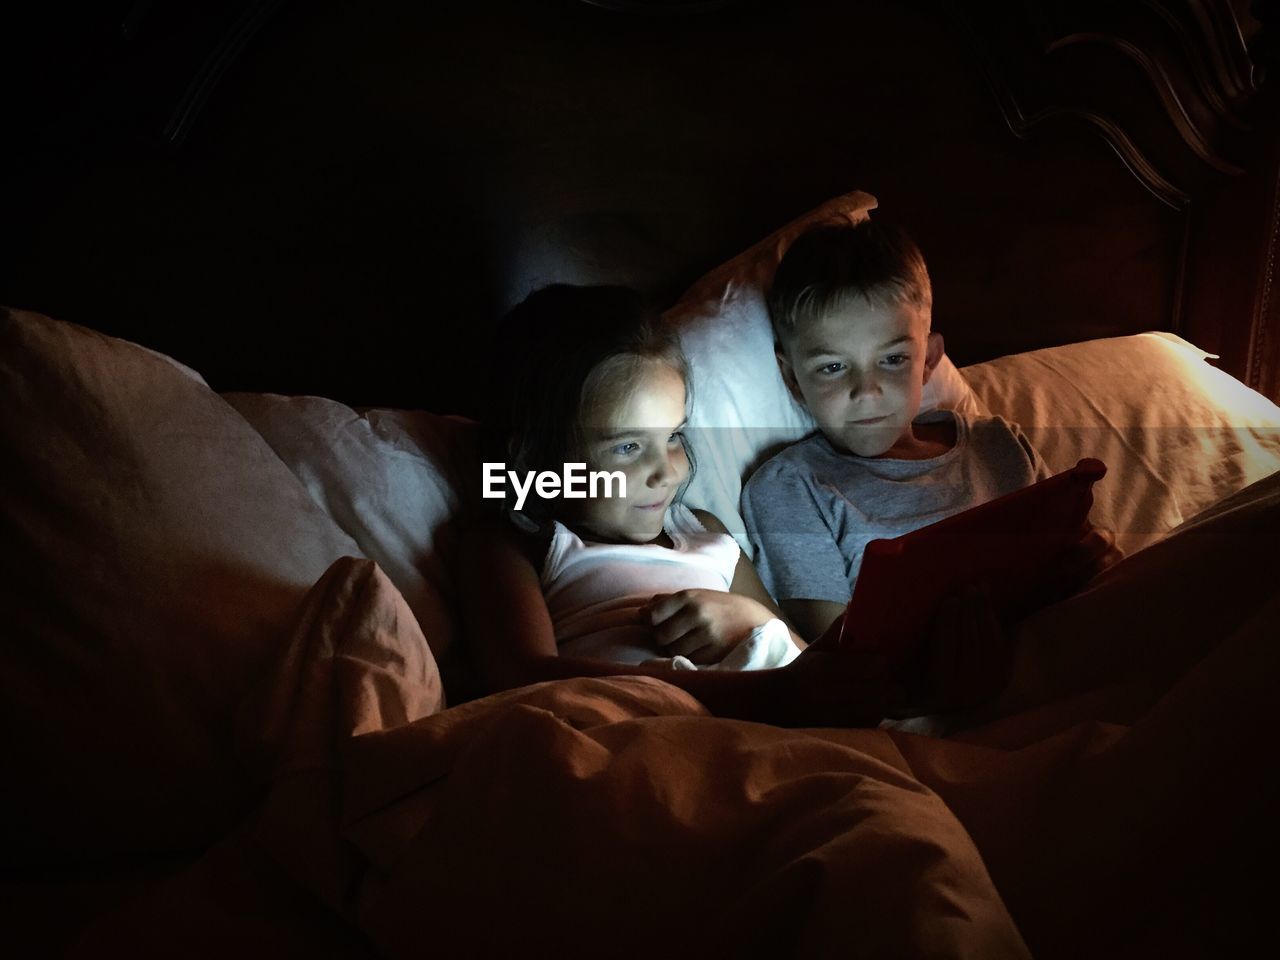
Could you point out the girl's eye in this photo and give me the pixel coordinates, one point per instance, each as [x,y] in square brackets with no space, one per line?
[677,437]
[625,449]
[830,369]
[896,359]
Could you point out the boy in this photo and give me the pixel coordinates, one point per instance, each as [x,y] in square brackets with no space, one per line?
[851,312]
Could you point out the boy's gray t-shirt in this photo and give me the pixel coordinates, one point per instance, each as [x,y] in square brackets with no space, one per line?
[812,509]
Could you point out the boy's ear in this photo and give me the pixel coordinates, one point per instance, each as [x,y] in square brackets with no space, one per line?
[933,351]
[788,373]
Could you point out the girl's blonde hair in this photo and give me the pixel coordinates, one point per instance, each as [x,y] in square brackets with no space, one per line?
[564,350]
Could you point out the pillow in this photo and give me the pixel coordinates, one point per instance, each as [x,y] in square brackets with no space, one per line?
[398,482]
[1176,433]
[155,549]
[743,413]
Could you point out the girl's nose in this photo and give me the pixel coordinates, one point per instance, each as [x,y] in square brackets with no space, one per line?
[665,469]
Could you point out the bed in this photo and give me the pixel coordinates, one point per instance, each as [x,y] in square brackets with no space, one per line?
[235,392]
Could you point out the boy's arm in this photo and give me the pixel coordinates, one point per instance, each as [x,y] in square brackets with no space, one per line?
[797,555]
[1039,469]
[1096,551]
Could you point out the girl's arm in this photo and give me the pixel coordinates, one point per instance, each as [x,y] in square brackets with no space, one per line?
[746,581]
[813,617]
[513,644]
[704,625]
[806,619]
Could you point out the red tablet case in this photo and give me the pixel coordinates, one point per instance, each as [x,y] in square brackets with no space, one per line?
[1008,544]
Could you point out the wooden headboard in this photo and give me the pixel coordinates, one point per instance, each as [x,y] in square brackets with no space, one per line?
[340,199]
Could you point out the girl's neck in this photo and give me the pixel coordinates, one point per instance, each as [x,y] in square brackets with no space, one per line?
[587,535]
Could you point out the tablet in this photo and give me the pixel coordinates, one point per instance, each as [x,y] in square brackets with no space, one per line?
[1009,543]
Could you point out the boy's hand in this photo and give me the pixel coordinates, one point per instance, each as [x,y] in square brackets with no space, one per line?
[829,639]
[1095,552]
[703,625]
[967,657]
[827,686]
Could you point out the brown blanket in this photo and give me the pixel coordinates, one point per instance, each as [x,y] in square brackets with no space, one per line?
[1115,803]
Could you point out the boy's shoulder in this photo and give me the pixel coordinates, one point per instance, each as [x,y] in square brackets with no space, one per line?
[797,460]
[985,431]
[987,423]
[1003,445]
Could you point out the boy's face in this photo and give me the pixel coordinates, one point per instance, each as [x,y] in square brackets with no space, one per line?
[860,370]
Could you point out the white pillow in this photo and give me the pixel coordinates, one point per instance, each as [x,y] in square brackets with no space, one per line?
[743,413]
[1176,433]
[398,482]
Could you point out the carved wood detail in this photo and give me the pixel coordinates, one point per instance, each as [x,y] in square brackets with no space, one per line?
[1176,88]
[1188,57]
[1264,340]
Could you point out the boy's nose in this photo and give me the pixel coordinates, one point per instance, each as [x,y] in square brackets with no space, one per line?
[869,385]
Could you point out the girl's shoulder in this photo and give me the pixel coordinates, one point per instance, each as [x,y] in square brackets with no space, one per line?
[707,538]
[710,522]
[714,535]
[501,535]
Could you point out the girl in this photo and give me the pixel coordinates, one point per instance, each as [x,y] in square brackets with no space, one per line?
[634,583]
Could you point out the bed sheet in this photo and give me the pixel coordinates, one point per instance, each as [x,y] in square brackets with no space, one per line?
[1113,804]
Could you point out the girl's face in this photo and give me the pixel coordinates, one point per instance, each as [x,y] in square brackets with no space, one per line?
[637,432]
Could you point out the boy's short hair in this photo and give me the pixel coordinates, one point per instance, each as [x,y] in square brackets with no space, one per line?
[831,263]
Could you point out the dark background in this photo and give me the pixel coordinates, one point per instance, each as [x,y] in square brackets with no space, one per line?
[341,198]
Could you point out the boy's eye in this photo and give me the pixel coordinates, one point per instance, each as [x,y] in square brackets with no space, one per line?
[830,369]
[896,359]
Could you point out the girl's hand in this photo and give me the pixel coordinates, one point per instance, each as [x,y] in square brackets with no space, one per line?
[703,625]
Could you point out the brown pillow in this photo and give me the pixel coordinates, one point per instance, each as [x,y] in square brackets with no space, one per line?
[154,549]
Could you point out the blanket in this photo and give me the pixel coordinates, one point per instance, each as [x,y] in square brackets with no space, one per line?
[1114,802]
